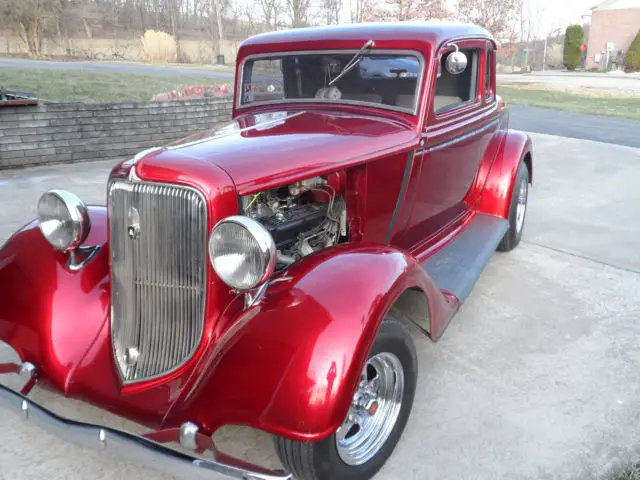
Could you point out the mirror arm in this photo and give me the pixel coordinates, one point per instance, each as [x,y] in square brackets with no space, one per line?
[454,45]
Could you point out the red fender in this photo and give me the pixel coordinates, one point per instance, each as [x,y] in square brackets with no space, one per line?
[50,315]
[289,364]
[496,194]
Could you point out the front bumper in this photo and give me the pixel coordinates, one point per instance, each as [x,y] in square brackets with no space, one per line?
[146,449]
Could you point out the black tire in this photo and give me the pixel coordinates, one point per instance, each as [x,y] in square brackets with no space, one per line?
[321,460]
[513,236]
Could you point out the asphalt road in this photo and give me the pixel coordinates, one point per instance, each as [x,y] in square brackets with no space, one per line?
[576,125]
[116,67]
[536,377]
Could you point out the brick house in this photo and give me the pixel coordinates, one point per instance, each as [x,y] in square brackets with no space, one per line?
[614,25]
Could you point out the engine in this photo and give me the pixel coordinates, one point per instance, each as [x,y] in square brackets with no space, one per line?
[302,218]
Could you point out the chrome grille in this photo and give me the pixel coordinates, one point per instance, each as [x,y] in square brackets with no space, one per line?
[158,276]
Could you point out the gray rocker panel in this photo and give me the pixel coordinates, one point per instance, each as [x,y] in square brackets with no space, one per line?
[457,266]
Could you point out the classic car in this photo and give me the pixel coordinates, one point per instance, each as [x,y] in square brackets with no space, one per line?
[269,273]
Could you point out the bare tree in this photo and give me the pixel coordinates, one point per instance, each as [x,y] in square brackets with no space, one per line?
[64,16]
[298,11]
[271,12]
[331,10]
[217,9]
[174,9]
[358,7]
[27,18]
[403,10]
[497,16]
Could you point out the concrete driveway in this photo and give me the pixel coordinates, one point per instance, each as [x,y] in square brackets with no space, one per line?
[536,378]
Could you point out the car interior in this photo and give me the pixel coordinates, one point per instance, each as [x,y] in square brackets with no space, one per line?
[308,76]
[454,90]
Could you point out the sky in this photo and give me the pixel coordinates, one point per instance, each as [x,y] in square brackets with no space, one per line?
[560,13]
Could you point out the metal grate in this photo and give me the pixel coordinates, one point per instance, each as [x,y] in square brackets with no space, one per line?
[158,276]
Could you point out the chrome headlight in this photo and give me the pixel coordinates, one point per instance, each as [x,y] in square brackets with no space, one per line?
[64,219]
[242,252]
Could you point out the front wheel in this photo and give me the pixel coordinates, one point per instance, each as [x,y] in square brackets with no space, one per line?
[375,421]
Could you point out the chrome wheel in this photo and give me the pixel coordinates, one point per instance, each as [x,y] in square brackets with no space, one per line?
[521,207]
[374,410]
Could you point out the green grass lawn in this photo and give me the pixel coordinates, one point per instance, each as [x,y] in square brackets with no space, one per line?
[610,106]
[92,86]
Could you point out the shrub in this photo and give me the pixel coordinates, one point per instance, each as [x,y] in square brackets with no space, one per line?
[574,37]
[632,58]
[159,47]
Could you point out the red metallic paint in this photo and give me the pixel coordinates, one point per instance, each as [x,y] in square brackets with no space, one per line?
[289,364]
[384,181]
[38,321]
[496,193]
[300,145]
[421,37]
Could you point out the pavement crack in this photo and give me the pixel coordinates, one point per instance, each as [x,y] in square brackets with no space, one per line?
[583,257]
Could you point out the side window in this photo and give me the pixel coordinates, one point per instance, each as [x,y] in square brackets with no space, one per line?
[456,90]
[489,92]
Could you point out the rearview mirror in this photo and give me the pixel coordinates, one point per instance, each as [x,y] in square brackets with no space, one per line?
[456,62]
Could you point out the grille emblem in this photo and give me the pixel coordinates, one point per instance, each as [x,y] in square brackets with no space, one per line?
[133,230]
[131,357]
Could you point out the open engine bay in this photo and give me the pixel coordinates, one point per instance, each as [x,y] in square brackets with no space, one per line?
[302,217]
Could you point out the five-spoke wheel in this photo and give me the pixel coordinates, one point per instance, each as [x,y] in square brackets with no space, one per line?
[374,410]
[376,418]
[517,210]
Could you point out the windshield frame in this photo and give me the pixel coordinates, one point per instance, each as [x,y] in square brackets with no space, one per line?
[371,52]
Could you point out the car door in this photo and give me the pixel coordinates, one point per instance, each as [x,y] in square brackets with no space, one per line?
[458,128]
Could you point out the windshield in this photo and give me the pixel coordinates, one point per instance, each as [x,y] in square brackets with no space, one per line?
[386,80]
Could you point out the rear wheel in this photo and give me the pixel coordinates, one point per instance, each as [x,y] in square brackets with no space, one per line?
[375,421]
[517,210]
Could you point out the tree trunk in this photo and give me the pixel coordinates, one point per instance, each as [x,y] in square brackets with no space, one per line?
[87,28]
[219,20]
[174,32]
[32,38]
[219,40]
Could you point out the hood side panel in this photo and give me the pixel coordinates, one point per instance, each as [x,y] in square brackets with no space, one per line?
[262,150]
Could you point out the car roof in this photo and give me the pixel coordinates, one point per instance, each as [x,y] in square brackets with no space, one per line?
[431,33]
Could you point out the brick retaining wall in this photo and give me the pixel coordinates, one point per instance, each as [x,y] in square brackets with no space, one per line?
[76,132]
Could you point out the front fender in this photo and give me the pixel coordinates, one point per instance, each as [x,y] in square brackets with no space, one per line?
[48,314]
[496,194]
[289,364]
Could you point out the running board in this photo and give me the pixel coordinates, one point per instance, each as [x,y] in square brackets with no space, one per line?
[458,265]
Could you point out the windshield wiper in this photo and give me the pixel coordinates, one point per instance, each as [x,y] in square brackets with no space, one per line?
[353,62]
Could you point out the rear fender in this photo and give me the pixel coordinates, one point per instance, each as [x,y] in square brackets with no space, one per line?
[290,364]
[496,194]
[54,314]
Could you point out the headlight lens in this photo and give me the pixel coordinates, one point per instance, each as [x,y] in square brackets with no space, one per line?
[64,219]
[242,252]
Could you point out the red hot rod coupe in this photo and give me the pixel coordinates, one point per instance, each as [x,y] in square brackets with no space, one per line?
[265,273]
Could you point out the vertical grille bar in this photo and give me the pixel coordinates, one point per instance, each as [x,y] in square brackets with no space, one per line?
[158,276]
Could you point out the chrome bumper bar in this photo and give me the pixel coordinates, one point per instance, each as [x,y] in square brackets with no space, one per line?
[138,448]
